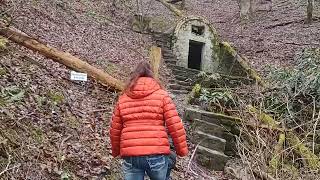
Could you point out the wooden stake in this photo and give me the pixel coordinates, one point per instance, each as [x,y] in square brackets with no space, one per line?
[155,60]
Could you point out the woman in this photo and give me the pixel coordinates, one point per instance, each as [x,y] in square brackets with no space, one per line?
[141,119]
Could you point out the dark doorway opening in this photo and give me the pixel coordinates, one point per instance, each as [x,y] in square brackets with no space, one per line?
[195,55]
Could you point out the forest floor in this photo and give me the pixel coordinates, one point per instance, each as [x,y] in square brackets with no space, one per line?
[58,128]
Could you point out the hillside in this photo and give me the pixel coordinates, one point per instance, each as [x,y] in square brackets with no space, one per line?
[55,128]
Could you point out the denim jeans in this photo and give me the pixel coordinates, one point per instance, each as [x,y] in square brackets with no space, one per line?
[157,167]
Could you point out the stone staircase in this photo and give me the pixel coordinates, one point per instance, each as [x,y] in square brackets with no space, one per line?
[212,132]
[215,135]
[183,80]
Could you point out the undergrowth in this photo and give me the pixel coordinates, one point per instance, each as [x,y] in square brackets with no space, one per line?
[280,131]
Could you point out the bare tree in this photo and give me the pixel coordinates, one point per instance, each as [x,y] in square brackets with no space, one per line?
[246,8]
[309,11]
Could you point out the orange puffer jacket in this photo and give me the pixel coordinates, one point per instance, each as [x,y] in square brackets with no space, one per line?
[139,122]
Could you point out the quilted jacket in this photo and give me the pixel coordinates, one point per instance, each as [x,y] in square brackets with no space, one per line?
[142,119]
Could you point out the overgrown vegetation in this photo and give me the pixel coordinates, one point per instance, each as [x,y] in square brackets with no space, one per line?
[280,131]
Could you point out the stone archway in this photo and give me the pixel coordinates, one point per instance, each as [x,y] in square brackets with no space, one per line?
[194,44]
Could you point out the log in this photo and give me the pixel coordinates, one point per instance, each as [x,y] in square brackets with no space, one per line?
[155,60]
[172,8]
[275,160]
[263,117]
[61,57]
[310,159]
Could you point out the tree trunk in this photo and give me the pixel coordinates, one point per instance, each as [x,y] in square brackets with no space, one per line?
[309,11]
[310,159]
[171,7]
[61,57]
[183,4]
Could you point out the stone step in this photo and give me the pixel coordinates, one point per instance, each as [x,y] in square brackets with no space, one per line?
[180,87]
[209,122]
[166,51]
[184,68]
[163,45]
[170,61]
[179,91]
[223,132]
[187,73]
[183,83]
[211,117]
[209,128]
[209,141]
[183,78]
[211,159]
[168,56]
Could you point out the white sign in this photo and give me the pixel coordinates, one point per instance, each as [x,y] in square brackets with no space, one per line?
[76,76]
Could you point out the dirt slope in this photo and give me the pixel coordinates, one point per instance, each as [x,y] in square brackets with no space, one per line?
[269,38]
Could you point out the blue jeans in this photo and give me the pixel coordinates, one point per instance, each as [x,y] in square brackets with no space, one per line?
[157,167]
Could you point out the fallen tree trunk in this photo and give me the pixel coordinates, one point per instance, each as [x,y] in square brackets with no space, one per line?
[309,158]
[171,7]
[275,160]
[61,57]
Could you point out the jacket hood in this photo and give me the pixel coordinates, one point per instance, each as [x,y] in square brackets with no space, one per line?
[143,87]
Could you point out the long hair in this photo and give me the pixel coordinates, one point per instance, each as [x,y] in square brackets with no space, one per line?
[143,69]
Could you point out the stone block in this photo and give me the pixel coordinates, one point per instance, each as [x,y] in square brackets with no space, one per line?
[209,141]
[209,128]
[211,159]
[191,114]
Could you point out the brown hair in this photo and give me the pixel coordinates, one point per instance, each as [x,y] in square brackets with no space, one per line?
[143,69]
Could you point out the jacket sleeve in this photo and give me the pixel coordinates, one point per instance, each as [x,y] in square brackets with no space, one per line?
[175,127]
[115,132]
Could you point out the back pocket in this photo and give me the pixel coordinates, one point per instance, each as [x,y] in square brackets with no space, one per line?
[157,162]
[127,163]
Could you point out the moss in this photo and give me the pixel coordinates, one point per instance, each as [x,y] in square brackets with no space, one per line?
[311,159]
[3,72]
[265,118]
[38,135]
[72,122]
[195,93]
[40,100]
[3,43]
[196,90]
[275,160]
[56,97]
[299,147]
[236,65]
[293,171]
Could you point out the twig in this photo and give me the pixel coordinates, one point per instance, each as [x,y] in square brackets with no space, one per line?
[192,156]
[8,164]
[263,175]
[282,24]
[314,131]
[99,110]
[8,169]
